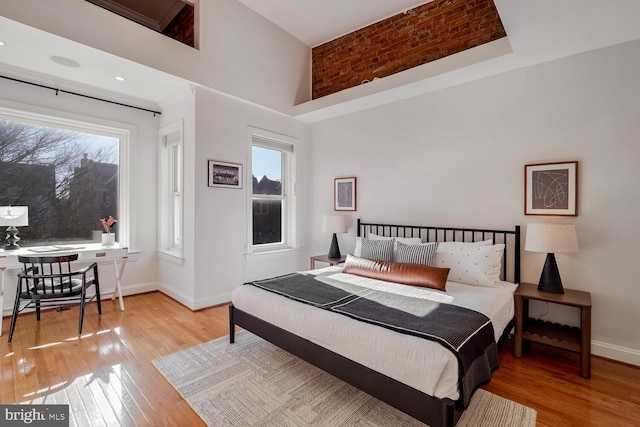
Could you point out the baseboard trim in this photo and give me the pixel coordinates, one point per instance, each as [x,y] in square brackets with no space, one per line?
[190,303]
[106,294]
[615,352]
[178,296]
[138,288]
[213,301]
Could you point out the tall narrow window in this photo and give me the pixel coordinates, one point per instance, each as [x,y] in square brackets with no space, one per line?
[171,199]
[272,195]
[67,172]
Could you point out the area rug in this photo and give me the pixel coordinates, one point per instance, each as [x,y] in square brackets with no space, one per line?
[254,383]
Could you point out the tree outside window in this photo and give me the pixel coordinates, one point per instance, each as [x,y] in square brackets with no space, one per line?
[68,179]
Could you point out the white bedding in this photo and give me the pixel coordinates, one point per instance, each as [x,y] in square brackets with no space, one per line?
[417,362]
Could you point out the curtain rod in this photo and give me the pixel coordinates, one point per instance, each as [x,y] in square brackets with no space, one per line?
[80,94]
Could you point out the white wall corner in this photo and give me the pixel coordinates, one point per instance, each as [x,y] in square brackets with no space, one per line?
[212,301]
[182,298]
[190,303]
[183,92]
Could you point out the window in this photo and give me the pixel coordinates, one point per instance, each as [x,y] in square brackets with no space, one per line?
[171,188]
[68,173]
[272,207]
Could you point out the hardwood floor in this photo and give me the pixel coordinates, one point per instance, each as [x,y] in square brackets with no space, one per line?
[107,376]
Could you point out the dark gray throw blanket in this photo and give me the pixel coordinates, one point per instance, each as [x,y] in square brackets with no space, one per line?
[466,333]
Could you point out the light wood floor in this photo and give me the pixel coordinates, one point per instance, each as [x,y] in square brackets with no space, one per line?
[107,376]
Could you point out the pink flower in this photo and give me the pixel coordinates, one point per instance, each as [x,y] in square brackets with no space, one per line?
[107,223]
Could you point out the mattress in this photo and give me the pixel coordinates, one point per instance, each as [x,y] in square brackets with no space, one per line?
[422,364]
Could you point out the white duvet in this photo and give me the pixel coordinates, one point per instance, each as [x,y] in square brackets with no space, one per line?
[417,362]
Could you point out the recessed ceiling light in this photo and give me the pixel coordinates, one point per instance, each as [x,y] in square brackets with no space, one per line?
[120,79]
[61,60]
[2,43]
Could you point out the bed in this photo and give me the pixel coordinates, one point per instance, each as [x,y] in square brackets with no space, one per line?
[415,375]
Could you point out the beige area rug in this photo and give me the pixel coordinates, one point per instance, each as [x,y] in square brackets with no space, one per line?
[254,383]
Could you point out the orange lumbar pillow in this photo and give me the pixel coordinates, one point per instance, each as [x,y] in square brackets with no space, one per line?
[397,272]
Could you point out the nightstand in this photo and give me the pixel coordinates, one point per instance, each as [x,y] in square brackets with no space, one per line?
[569,338]
[325,258]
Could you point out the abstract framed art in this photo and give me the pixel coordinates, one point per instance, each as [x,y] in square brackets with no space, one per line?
[223,174]
[344,194]
[551,189]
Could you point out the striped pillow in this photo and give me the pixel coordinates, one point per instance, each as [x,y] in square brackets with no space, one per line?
[406,240]
[416,254]
[377,250]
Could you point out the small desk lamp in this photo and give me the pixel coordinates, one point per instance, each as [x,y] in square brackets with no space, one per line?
[334,224]
[12,217]
[551,238]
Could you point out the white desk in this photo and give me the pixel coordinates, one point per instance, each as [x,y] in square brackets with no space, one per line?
[86,252]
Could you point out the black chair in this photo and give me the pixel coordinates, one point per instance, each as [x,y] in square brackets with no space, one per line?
[49,281]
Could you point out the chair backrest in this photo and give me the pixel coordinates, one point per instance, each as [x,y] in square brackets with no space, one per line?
[44,275]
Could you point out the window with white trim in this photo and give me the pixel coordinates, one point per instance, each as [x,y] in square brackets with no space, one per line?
[171,190]
[272,207]
[69,173]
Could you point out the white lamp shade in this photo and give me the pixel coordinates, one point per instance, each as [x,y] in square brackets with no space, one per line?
[551,238]
[334,224]
[17,216]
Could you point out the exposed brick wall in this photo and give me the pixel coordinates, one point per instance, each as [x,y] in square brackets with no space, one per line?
[423,34]
[181,27]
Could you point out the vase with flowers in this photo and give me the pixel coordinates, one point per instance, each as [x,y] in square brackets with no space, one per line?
[108,238]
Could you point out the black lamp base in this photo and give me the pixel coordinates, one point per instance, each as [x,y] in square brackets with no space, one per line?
[334,250]
[12,238]
[550,278]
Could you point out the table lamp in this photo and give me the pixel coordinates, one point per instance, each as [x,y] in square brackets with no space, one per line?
[12,217]
[552,239]
[334,224]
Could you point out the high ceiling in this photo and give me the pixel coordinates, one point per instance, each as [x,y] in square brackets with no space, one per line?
[317,21]
[538,31]
[28,55]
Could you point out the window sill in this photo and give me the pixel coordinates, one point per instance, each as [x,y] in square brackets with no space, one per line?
[171,256]
[275,253]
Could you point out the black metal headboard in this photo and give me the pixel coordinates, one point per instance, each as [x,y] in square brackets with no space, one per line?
[510,238]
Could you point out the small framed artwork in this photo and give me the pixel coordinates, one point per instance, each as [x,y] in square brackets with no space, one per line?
[344,194]
[551,189]
[226,175]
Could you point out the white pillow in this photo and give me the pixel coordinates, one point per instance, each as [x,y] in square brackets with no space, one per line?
[447,245]
[471,264]
[406,240]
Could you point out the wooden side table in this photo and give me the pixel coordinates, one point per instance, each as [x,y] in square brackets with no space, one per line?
[325,258]
[573,339]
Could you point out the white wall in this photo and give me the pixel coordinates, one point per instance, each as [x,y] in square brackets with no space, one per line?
[456,157]
[177,275]
[241,53]
[141,273]
[215,260]
[222,129]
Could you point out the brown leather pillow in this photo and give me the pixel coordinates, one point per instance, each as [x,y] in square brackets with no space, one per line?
[404,273]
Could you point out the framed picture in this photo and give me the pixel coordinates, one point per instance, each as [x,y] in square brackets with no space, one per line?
[223,174]
[344,194]
[551,189]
